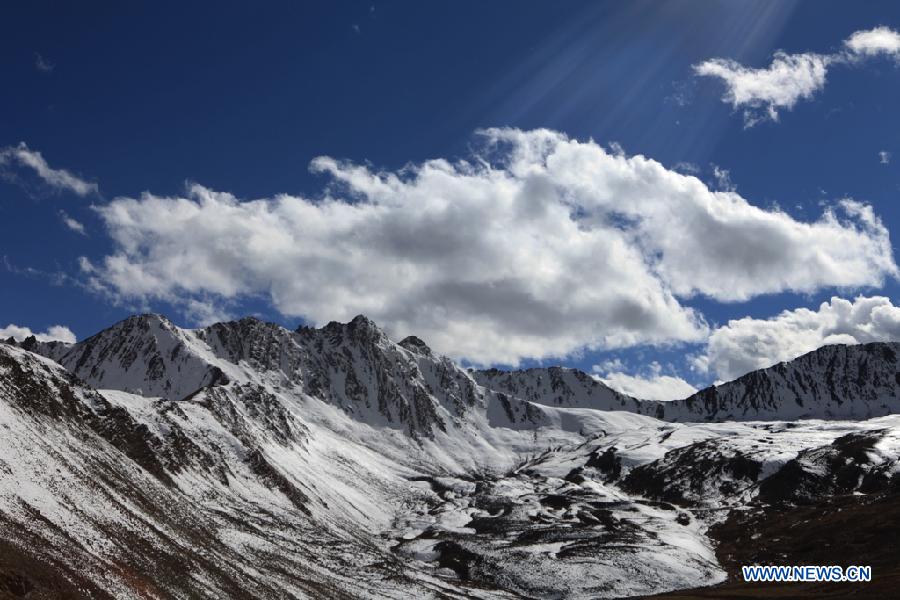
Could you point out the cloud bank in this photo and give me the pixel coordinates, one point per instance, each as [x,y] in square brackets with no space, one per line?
[651,385]
[537,246]
[56,333]
[747,344]
[874,42]
[761,93]
[60,179]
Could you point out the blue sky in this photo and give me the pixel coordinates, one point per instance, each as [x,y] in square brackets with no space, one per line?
[241,99]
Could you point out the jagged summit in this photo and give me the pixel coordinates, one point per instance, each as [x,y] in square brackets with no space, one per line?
[143,320]
[416,345]
[354,366]
[357,366]
[363,321]
[145,354]
[360,328]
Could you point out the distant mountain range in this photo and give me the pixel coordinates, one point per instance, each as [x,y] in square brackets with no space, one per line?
[244,460]
[833,382]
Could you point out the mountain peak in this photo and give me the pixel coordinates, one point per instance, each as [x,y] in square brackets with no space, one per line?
[361,328]
[141,322]
[145,354]
[362,321]
[148,318]
[416,345]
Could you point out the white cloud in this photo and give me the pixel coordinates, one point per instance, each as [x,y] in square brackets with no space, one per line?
[58,333]
[536,247]
[687,168]
[71,223]
[762,93]
[747,344]
[884,157]
[880,40]
[723,179]
[653,385]
[612,364]
[23,156]
[698,363]
[205,312]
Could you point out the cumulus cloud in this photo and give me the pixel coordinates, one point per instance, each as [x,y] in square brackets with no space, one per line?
[880,40]
[761,93]
[205,312]
[537,246]
[747,344]
[22,156]
[56,333]
[652,385]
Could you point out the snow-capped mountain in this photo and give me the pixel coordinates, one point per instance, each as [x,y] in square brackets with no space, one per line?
[834,382]
[353,366]
[557,386]
[248,460]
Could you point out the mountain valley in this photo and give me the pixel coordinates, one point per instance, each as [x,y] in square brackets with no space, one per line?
[244,459]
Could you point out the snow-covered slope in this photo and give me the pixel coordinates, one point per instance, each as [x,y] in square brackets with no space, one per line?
[257,493]
[126,497]
[628,512]
[256,461]
[145,354]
